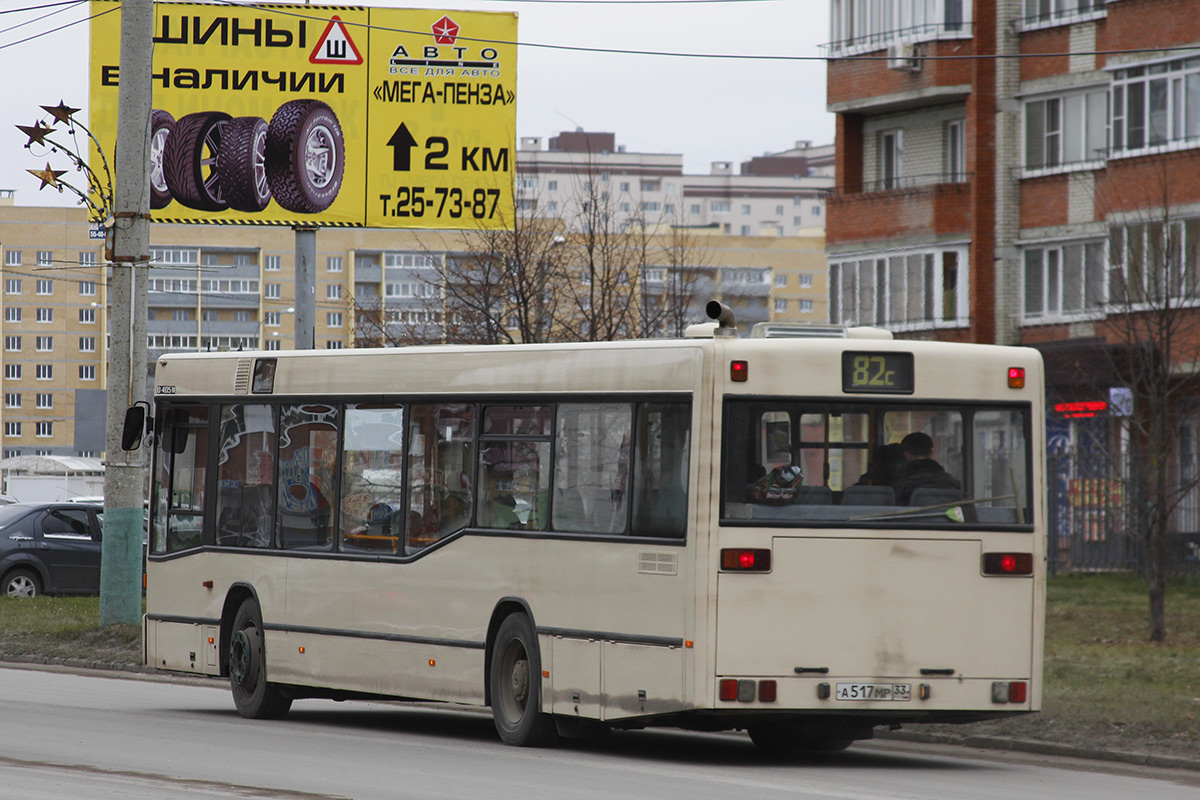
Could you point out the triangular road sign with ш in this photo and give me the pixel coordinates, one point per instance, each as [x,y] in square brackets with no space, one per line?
[335,46]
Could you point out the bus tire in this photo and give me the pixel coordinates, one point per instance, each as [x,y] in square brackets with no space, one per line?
[253,695]
[515,681]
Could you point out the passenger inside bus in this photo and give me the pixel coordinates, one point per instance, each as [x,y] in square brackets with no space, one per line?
[922,471]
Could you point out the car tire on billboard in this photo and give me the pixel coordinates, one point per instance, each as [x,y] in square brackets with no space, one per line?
[161,126]
[305,156]
[189,160]
[241,164]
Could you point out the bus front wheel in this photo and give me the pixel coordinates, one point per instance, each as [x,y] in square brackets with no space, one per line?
[515,680]
[253,696]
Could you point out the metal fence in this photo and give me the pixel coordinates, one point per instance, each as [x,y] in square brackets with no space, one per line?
[1092,507]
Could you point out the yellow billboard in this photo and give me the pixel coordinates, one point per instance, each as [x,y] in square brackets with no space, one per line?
[322,115]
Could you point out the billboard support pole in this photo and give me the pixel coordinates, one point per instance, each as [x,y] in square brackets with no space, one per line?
[121,547]
[306,283]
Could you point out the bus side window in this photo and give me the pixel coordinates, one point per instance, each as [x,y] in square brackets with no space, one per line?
[660,470]
[180,468]
[441,458]
[514,472]
[591,467]
[245,475]
[307,491]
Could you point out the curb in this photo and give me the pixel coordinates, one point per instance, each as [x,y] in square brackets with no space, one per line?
[1044,748]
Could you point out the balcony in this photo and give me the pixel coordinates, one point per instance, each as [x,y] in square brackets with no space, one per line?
[918,205]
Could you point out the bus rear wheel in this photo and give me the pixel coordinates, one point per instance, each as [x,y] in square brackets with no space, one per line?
[515,680]
[254,697]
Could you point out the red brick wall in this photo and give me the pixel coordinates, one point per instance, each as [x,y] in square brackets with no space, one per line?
[1168,179]
[1149,23]
[854,79]
[1049,40]
[1044,201]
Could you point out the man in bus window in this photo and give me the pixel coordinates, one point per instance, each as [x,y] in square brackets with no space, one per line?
[922,471]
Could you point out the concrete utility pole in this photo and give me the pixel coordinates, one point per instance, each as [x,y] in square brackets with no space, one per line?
[306,282]
[121,551]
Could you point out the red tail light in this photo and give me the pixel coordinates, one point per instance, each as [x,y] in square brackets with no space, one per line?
[1018,691]
[739,371]
[1016,377]
[1007,563]
[745,559]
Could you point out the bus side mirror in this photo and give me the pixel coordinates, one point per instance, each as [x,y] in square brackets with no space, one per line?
[135,426]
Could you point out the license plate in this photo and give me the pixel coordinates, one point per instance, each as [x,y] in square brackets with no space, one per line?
[874,691]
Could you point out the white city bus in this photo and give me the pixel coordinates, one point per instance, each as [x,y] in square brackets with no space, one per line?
[711,533]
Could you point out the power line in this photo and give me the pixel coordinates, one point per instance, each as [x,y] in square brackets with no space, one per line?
[59,28]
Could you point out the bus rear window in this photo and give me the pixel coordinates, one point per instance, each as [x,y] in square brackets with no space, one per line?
[877,464]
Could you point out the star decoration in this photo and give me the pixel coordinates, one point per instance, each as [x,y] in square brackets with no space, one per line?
[61,112]
[48,177]
[36,133]
[445,31]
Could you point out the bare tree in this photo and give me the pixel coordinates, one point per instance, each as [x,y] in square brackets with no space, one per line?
[1153,333]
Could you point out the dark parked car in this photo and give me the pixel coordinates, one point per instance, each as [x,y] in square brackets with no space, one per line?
[50,548]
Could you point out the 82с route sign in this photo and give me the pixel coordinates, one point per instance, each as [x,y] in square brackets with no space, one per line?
[322,115]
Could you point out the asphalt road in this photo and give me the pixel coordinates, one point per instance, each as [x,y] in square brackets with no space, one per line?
[64,734]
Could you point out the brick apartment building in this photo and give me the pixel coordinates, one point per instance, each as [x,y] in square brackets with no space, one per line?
[1005,170]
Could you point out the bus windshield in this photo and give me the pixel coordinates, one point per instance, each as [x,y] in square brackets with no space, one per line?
[807,462]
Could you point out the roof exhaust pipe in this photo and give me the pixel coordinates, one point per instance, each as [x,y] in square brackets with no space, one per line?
[723,314]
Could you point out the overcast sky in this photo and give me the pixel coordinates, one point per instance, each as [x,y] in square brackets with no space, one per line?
[707,109]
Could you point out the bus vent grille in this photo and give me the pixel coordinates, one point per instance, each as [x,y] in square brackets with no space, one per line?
[658,563]
[241,380]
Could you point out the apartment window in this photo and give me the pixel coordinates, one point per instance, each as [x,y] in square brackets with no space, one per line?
[1155,104]
[12,314]
[12,258]
[12,372]
[43,429]
[798,221]
[87,344]
[45,315]
[229,286]
[779,211]
[869,24]
[552,206]
[12,343]
[12,429]
[1064,278]
[780,305]
[271,291]
[333,319]
[333,264]
[804,306]
[87,372]
[45,258]
[44,400]
[44,372]
[1054,10]
[412,260]
[87,258]
[87,288]
[45,286]
[184,314]
[175,255]
[650,186]
[745,230]
[956,157]
[271,319]
[87,315]
[890,150]
[781,281]
[914,289]
[719,206]
[272,263]
[694,208]
[12,285]
[243,316]
[1069,129]
[333,291]
[816,211]
[208,315]
[804,280]
[651,205]
[334,344]
[12,399]
[552,186]
[242,259]
[271,344]
[624,186]
[43,344]
[1150,262]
